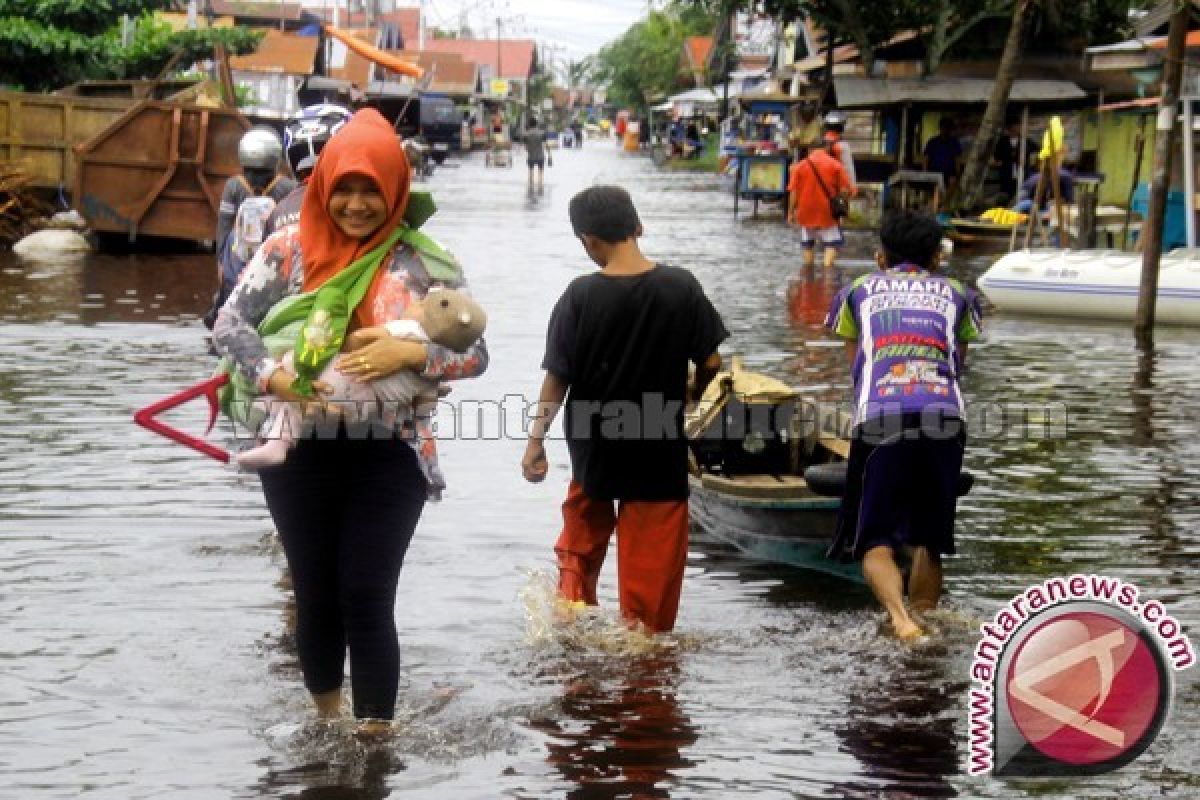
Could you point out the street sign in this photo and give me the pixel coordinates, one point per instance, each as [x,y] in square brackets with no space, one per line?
[499,87]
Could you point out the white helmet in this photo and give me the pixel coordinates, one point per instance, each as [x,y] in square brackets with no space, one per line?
[260,148]
[310,128]
[835,121]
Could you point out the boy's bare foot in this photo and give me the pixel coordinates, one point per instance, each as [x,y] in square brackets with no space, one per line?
[908,632]
[373,729]
[567,611]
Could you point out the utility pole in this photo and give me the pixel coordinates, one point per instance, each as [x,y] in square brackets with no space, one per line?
[421,26]
[1164,150]
[499,72]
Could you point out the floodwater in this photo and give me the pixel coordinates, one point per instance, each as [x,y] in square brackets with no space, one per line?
[144,636]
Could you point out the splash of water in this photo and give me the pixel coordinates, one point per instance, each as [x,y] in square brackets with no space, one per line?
[551,620]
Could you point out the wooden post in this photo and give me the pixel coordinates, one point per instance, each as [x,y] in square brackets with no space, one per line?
[1164,149]
[1023,159]
[1064,236]
[1139,152]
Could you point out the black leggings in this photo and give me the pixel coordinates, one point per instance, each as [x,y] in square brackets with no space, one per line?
[346,511]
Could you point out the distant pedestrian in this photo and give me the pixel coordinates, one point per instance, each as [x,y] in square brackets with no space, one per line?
[834,136]
[534,139]
[943,154]
[907,328]
[813,184]
[617,350]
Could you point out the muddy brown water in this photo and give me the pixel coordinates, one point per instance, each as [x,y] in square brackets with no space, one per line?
[144,644]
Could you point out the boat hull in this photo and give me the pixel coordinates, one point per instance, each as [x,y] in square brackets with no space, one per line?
[1093,284]
[794,531]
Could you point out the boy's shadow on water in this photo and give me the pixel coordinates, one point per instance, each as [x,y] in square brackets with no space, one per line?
[901,729]
[623,736]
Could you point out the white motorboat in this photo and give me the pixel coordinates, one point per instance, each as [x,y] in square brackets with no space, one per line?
[1096,284]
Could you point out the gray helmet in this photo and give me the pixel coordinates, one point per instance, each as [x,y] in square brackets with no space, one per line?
[260,148]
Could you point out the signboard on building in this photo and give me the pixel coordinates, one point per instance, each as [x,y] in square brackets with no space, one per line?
[499,87]
[755,35]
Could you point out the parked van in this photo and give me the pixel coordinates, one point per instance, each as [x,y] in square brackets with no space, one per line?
[440,125]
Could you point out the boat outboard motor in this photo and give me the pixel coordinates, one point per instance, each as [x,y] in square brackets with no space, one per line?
[747,439]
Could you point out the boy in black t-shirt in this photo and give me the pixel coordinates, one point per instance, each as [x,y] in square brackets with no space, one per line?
[619,342]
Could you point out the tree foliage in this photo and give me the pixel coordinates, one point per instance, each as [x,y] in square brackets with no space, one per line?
[643,63]
[946,27]
[46,44]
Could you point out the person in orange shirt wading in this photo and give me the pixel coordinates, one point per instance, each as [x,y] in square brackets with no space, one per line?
[817,190]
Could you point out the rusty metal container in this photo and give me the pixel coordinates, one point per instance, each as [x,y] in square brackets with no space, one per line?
[159,170]
[41,131]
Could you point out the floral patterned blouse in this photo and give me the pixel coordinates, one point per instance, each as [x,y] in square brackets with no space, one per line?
[277,271]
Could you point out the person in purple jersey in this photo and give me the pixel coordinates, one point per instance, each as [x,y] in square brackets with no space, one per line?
[907,328]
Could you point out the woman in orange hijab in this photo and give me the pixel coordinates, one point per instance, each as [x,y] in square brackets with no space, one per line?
[346,507]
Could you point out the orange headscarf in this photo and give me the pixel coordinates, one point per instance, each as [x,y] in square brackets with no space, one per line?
[366,146]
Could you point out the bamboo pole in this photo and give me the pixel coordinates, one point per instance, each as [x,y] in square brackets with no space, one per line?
[1023,159]
[1164,150]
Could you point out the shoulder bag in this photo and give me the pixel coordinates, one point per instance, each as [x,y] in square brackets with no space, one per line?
[839,206]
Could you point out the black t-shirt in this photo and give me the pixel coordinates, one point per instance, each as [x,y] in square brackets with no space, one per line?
[623,344]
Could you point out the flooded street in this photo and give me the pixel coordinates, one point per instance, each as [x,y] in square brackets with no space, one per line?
[144,638]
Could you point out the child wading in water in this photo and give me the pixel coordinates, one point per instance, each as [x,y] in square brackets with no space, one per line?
[619,344]
[908,328]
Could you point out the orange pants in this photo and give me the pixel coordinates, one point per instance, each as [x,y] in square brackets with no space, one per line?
[652,539]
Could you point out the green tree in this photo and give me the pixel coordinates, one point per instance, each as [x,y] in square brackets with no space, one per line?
[945,27]
[643,63]
[45,44]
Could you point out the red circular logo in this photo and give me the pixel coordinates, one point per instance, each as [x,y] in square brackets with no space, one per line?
[1085,688]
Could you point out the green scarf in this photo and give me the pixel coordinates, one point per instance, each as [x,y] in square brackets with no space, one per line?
[313,324]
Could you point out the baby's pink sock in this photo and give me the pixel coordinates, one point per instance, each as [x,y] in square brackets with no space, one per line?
[271,453]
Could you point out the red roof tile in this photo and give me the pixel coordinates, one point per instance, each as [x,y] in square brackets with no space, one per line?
[356,69]
[280,52]
[408,20]
[452,74]
[517,56]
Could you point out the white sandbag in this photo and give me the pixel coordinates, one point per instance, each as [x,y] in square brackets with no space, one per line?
[68,220]
[51,242]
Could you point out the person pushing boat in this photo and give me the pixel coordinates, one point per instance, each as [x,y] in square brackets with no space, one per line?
[907,328]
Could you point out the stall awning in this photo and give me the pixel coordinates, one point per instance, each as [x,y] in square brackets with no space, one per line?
[698,97]
[882,92]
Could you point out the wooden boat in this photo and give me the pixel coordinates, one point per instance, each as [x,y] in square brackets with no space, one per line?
[1096,284]
[752,438]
